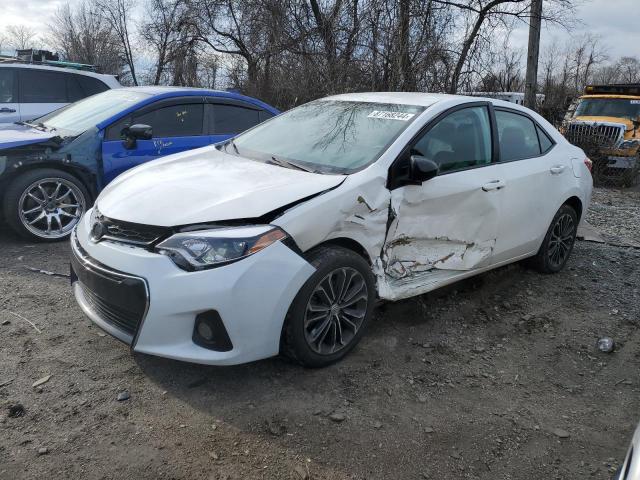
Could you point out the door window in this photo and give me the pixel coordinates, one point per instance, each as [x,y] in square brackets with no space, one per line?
[545,141]
[232,119]
[41,86]
[517,135]
[460,140]
[6,86]
[114,131]
[174,121]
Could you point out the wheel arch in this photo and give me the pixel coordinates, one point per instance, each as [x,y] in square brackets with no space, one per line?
[85,177]
[349,244]
[575,203]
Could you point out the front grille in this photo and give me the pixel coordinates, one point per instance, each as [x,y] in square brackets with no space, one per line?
[117,298]
[105,228]
[131,233]
[595,135]
[115,315]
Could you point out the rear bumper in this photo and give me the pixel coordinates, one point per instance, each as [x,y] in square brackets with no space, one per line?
[630,468]
[252,297]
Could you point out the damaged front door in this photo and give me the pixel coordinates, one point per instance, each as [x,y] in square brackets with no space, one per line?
[448,224]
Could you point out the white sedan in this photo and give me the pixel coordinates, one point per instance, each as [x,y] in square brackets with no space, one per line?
[281,240]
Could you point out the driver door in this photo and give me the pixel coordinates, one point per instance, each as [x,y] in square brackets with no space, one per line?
[449,224]
[177,125]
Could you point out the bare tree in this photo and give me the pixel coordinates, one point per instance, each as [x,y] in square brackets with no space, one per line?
[81,35]
[21,36]
[169,33]
[118,13]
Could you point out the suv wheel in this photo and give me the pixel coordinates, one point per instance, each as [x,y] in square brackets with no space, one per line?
[331,311]
[45,204]
[558,242]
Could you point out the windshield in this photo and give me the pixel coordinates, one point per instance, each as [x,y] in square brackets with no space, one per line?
[609,107]
[327,136]
[80,116]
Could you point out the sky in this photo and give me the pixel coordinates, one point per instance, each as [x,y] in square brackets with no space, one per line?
[616,22]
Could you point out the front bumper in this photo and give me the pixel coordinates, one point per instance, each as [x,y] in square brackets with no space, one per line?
[627,163]
[252,297]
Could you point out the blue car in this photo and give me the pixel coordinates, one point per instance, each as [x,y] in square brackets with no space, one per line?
[52,168]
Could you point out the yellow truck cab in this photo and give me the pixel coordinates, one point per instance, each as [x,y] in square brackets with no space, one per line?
[606,124]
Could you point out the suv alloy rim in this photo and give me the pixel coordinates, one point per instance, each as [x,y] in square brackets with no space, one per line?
[562,237]
[51,207]
[335,311]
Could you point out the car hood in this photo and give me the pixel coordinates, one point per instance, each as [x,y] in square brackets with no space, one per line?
[206,185]
[13,135]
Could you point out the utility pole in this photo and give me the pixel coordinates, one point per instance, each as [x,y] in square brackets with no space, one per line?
[533,53]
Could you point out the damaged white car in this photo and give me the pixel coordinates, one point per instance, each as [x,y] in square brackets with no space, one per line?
[282,239]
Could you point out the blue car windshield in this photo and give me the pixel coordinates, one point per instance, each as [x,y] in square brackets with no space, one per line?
[327,136]
[80,116]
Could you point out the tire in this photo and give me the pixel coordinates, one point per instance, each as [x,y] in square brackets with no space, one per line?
[564,226]
[311,316]
[57,198]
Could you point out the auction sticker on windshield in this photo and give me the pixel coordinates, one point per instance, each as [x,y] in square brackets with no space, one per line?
[391,115]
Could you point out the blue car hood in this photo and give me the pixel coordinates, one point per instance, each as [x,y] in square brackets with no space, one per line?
[13,135]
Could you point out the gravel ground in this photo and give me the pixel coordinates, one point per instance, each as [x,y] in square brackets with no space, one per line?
[616,213]
[497,377]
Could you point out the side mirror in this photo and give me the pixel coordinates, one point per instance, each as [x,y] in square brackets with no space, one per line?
[422,169]
[136,132]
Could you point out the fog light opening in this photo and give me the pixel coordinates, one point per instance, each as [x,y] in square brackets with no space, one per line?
[209,332]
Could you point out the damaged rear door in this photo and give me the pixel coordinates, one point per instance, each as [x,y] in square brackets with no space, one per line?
[449,223]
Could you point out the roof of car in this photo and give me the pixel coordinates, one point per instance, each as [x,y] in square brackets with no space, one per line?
[168,92]
[33,66]
[406,98]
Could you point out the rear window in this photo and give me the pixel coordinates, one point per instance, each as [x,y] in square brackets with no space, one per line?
[41,86]
[91,85]
[517,135]
[232,119]
[6,86]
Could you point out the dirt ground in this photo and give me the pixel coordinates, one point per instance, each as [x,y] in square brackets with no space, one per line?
[498,377]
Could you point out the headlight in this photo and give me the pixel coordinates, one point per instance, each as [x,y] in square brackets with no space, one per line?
[211,248]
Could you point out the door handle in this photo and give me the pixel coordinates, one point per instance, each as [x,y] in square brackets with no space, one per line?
[557,169]
[7,110]
[493,185]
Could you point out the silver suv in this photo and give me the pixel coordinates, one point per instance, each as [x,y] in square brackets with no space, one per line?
[29,91]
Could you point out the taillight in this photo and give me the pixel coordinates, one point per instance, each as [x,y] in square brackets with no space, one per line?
[589,164]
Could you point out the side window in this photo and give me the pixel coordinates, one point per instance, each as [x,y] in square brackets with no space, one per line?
[232,119]
[114,131]
[264,115]
[460,140]
[545,141]
[91,85]
[6,86]
[174,121]
[518,137]
[42,86]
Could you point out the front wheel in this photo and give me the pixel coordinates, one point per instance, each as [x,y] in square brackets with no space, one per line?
[558,242]
[332,309]
[45,204]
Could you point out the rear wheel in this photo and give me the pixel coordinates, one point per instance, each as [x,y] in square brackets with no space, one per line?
[558,242]
[45,204]
[332,310]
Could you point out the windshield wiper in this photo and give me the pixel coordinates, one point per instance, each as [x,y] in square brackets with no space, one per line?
[289,164]
[40,125]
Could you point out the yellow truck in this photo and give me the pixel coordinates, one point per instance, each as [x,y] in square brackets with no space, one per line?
[606,125]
